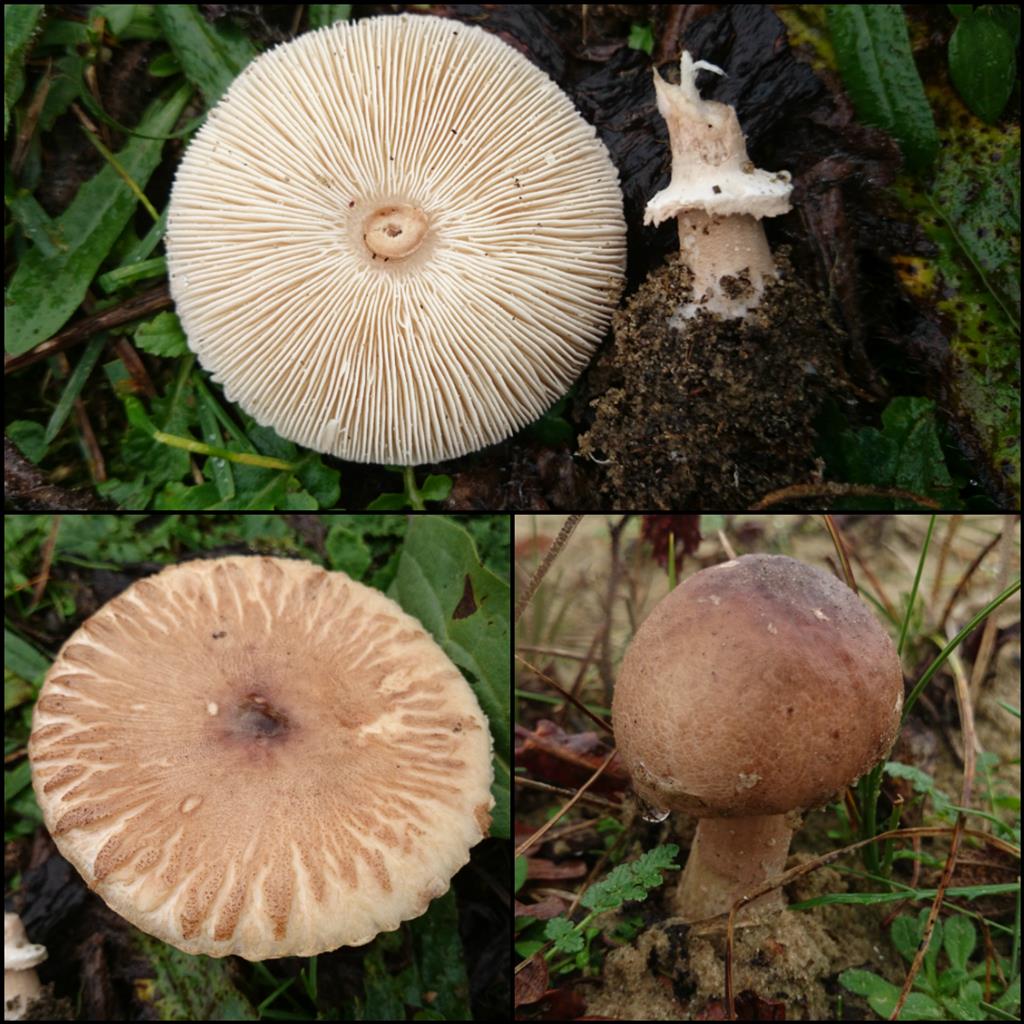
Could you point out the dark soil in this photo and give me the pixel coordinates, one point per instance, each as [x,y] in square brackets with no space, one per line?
[706,413]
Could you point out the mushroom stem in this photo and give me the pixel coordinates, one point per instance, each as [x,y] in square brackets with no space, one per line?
[21,957]
[729,858]
[718,196]
[716,247]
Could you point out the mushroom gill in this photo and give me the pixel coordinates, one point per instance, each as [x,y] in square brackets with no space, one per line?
[396,240]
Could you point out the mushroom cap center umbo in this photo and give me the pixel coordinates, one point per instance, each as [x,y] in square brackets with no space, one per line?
[396,231]
[257,718]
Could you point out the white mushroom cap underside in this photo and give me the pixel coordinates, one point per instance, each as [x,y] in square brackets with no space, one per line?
[417,359]
[19,953]
[256,756]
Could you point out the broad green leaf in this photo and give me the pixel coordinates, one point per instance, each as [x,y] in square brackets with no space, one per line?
[385,992]
[22,658]
[439,955]
[872,48]
[867,983]
[906,453]
[346,550]
[47,288]
[212,54]
[30,438]
[436,487]
[16,780]
[905,936]
[20,24]
[970,283]
[960,940]
[522,866]
[319,480]
[430,974]
[321,15]
[982,64]
[162,336]
[388,503]
[465,607]
[118,16]
[181,987]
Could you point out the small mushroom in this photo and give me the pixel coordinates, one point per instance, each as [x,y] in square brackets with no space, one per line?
[395,240]
[756,689]
[718,196]
[256,756]
[21,958]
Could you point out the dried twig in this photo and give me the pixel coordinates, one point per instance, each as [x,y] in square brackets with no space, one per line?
[559,542]
[839,490]
[134,308]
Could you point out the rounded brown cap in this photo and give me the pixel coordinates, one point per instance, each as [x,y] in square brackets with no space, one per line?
[260,757]
[758,686]
[396,240]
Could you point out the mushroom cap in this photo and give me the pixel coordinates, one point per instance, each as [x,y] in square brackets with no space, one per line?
[19,953]
[757,686]
[710,167]
[395,240]
[21,957]
[256,756]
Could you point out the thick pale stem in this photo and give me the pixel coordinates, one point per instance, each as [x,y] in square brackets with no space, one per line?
[715,246]
[729,858]
[718,196]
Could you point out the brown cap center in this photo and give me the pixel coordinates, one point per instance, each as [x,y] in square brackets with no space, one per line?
[394,232]
[255,717]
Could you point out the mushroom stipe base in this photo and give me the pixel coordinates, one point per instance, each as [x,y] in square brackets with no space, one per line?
[719,853]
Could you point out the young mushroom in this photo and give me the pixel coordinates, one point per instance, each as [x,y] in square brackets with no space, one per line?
[256,756]
[718,196]
[756,689]
[395,240]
